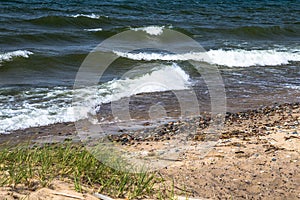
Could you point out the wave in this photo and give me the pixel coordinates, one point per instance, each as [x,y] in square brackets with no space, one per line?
[36,107]
[244,58]
[229,58]
[151,30]
[244,31]
[93,29]
[92,16]
[10,55]
[161,78]
[44,106]
[158,79]
[79,20]
[256,32]
[247,32]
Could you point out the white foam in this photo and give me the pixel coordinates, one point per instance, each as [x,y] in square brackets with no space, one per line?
[93,29]
[23,110]
[163,78]
[244,58]
[92,16]
[39,107]
[33,118]
[170,77]
[151,30]
[229,58]
[10,55]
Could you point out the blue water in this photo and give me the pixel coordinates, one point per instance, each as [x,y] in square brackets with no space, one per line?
[43,43]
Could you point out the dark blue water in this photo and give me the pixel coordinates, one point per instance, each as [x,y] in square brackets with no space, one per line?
[43,43]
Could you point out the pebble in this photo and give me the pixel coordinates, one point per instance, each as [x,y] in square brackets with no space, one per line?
[165,132]
[146,124]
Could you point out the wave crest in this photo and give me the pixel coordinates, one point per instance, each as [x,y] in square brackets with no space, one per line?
[151,30]
[93,29]
[10,55]
[92,16]
[229,58]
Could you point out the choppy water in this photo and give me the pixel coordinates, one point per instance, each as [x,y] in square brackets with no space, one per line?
[255,44]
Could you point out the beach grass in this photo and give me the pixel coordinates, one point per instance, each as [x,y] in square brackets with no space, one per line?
[34,167]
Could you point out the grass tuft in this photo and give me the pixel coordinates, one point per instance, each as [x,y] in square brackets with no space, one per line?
[37,166]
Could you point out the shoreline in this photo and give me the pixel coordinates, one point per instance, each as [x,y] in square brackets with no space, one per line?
[67,130]
[257,154]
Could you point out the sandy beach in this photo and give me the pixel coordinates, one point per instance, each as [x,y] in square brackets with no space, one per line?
[256,157]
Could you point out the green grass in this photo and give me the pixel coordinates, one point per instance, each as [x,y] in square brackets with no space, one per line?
[35,167]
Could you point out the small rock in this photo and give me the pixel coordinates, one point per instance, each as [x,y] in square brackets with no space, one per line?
[237,152]
[274,159]
[146,124]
